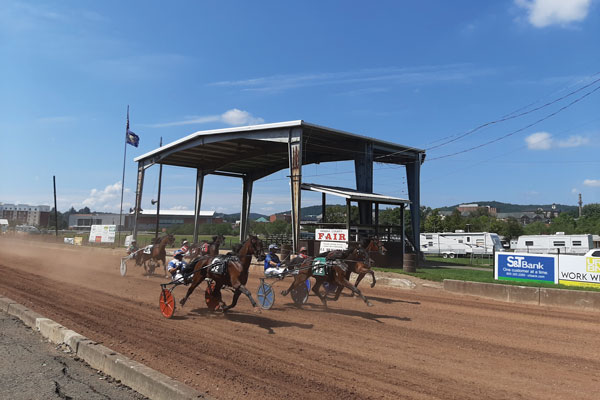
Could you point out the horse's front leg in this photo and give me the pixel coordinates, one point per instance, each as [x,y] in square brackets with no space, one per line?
[295,283]
[318,282]
[341,281]
[199,276]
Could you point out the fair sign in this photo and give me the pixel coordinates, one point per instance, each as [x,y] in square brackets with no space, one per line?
[332,235]
[579,270]
[102,233]
[332,246]
[526,267]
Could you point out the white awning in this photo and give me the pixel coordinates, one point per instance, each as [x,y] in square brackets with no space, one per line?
[354,195]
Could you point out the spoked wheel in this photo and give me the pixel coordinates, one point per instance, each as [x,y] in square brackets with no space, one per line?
[123,268]
[300,293]
[212,296]
[167,303]
[266,296]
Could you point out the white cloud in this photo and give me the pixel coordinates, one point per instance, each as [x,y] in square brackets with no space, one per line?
[543,13]
[573,141]
[107,199]
[539,141]
[574,191]
[372,76]
[592,182]
[233,117]
[544,141]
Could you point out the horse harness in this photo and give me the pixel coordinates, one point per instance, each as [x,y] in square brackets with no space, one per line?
[218,265]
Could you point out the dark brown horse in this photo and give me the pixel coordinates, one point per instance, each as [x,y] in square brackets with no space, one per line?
[158,253]
[235,273]
[363,253]
[207,248]
[336,275]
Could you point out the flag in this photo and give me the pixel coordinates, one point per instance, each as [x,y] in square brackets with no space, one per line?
[132,139]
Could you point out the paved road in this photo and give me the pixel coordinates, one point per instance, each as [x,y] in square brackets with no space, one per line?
[32,368]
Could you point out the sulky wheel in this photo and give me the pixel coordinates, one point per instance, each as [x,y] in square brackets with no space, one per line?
[266,296]
[123,268]
[212,296]
[300,293]
[167,303]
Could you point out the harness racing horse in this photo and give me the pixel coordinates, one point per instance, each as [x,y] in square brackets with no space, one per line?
[336,275]
[362,253]
[234,273]
[158,253]
[206,248]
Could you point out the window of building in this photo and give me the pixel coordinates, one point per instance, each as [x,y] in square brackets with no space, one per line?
[468,239]
[428,236]
[576,242]
[430,244]
[529,243]
[559,243]
[460,240]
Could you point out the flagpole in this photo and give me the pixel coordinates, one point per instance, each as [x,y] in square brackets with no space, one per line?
[123,180]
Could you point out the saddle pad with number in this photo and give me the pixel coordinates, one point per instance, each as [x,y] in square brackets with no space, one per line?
[218,266]
[320,267]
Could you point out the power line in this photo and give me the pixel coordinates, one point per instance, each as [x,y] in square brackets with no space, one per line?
[520,129]
[510,117]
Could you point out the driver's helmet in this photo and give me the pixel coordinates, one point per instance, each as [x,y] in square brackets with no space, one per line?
[303,249]
[133,242]
[178,253]
[184,242]
[272,247]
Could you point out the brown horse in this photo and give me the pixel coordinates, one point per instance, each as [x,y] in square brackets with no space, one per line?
[158,253]
[207,248]
[336,275]
[235,273]
[362,253]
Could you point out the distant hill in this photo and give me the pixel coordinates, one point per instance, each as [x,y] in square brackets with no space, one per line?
[508,207]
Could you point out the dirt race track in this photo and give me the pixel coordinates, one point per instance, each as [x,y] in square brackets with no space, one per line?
[414,344]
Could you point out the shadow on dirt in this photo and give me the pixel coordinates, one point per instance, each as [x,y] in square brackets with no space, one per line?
[253,319]
[351,313]
[264,322]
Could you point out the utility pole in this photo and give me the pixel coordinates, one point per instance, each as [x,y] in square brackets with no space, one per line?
[580,205]
[158,198]
[55,209]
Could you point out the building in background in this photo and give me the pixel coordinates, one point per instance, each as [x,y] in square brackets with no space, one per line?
[168,218]
[466,209]
[25,214]
[281,217]
[83,222]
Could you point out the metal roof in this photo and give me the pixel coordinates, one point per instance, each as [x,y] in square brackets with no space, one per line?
[181,213]
[263,149]
[354,195]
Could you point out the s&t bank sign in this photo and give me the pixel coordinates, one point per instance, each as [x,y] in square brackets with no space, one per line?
[526,267]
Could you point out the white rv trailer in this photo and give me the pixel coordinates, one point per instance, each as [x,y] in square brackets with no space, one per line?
[453,244]
[552,244]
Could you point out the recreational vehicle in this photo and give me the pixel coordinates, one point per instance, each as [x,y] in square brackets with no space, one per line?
[552,244]
[453,244]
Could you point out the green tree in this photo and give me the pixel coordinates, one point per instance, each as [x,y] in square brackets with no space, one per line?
[591,210]
[433,222]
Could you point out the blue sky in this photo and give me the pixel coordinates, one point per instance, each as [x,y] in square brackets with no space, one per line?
[416,73]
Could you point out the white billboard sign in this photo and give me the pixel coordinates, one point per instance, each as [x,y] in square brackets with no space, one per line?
[332,246]
[332,235]
[102,233]
[579,270]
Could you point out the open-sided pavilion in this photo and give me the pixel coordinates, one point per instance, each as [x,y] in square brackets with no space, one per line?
[253,152]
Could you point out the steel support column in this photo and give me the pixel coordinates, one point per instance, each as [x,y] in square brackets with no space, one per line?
[246,201]
[138,197]
[402,236]
[363,170]
[295,159]
[413,179]
[198,201]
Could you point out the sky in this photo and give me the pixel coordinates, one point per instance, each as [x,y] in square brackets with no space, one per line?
[501,95]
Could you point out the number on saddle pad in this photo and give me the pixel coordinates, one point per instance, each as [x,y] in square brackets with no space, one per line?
[320,267]
[218,266]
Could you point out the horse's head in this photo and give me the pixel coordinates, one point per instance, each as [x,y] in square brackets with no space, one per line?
[376,245]
[219,239]
[256,247]
[171,239]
